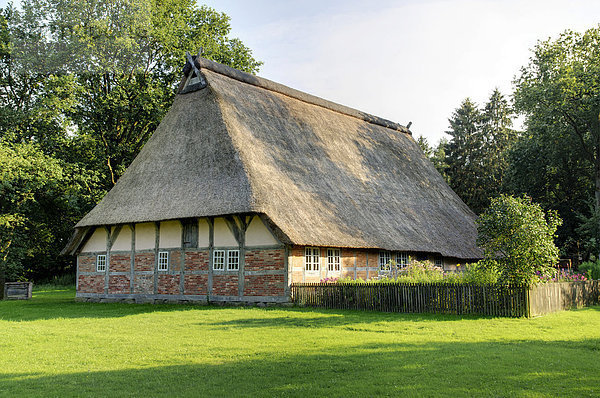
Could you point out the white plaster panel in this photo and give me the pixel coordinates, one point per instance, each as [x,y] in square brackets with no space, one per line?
[223,236]
[96,242]
[123,241]
[145,236]
[203,233]
[170,234]
[257,234]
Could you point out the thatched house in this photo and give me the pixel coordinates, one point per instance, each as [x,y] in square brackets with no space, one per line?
[247,186]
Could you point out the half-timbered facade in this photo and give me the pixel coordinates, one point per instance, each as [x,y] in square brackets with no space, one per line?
[247,186]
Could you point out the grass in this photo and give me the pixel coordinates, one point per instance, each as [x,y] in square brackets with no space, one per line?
[53,346]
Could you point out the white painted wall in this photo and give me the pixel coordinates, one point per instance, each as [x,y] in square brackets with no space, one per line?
[257,234]
[170,234]
[223,236]
[96,242]
[123,241]
[203,232]
[144,236]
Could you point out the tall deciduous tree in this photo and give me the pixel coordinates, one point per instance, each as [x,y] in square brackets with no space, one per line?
[559,92]
[83,84]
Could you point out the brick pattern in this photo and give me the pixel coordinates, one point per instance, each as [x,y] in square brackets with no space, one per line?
[87,263]
[91,283]
[168,284]
[261,260]
[143,284]
[196,260]
[120,262]
[118,284]
[264,285]
[174,260]
[225,285]
[195,284]
[144,262]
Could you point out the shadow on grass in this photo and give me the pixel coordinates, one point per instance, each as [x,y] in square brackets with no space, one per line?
[511,368]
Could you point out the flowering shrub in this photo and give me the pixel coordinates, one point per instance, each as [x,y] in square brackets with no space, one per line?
[561,276]
[329,280]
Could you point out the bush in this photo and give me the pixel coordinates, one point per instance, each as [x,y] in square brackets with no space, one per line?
[518,238]
[481,272]
[591,269]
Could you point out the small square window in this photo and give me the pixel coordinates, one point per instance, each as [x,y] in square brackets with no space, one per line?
[333,260]
[163,261]
[101,263]
[439,262]
[233,260]
[219,260]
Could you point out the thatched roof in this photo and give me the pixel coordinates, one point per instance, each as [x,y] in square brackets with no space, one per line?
[322,173]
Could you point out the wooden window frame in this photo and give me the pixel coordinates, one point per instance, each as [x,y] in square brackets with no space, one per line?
[385,258]
[312,266]
[402,259]
[163,261]
[219,254]
[236,265]
[334,266]
[101,268]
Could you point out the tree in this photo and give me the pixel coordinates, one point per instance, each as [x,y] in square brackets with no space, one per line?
[83,85]
[114,66]
[464,155]
[425,147]
[559,93]
[518,238]
[476,155]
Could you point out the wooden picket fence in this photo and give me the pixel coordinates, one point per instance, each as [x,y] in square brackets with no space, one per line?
[493,299]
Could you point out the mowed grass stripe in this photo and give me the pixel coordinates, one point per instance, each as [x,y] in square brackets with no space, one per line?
[53,346]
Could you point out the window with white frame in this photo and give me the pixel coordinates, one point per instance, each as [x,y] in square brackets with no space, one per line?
[233,260]
[219,260]
[163,261]
[333,260]
[402,259]
[101,262]
[311,259]
[439,262]
[384,260]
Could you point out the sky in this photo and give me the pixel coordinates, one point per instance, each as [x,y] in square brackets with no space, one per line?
[403,60]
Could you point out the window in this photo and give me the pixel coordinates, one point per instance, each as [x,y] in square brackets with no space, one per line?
[311,258]
[233,260]
[439,262]
[219,260]
[333,260]
[163,261]
[384,260]
[101,263]
[402,259]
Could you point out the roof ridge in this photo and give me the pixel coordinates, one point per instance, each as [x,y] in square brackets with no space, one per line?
[291,92]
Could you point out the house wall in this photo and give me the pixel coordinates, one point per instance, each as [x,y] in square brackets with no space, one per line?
[354,264]
[132,264]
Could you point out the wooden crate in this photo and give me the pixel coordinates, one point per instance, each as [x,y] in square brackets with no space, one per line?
[18,290]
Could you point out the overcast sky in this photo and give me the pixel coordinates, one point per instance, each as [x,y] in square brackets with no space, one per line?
[401,60]
[404,60]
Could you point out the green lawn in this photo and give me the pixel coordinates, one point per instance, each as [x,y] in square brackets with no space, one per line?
[53,346]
